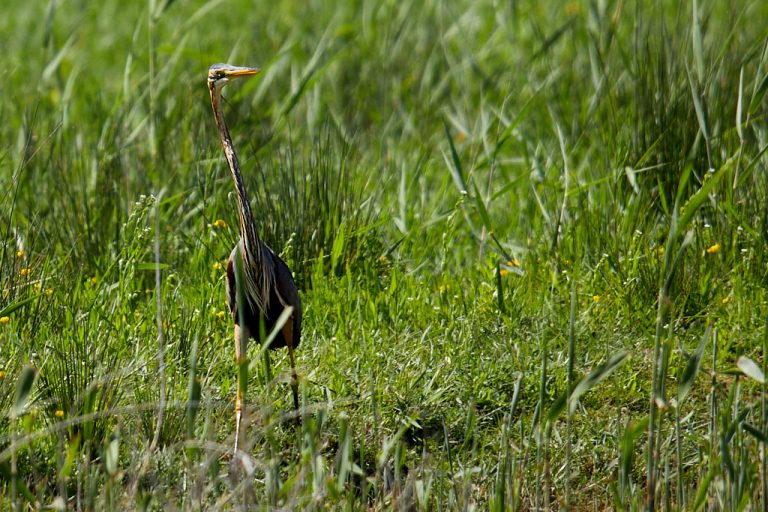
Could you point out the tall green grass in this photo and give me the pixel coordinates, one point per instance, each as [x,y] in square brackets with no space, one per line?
[530,242]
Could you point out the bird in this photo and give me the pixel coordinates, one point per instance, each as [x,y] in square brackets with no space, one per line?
[260,286]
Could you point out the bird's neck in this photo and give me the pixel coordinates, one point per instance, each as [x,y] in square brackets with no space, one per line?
[248,231]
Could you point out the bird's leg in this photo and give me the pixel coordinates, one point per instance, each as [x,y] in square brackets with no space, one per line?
[288,335]
[265,353]
[241,342]
[294,380]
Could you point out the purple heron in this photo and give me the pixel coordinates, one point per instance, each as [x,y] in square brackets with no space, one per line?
[263,280]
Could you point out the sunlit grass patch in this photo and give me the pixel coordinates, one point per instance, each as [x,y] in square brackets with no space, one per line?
[530,242]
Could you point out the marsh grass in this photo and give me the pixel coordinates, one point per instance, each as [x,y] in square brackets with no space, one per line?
[530,239]
[312,205]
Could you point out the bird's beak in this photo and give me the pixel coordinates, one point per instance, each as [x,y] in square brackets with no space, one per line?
[238,71]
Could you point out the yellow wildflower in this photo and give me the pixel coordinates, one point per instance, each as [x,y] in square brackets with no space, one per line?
[727,300]
[219,224]
[25,272]
[49,291]
[93,281]
[510,266]
[4,320]
[59,413]
[596,298]
[712,249]
[572,8]
[2,373]
[37,286]
[20,253]
[217,266]
[220,316]
[660,251]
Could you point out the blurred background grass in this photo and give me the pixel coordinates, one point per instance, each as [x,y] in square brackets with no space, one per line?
[440,176]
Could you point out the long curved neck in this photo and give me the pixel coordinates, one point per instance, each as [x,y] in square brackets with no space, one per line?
[248,231]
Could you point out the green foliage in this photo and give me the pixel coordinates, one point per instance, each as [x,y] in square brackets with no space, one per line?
[497,213]
[314,206]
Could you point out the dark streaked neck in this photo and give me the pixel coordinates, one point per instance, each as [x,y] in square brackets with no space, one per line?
[248,231]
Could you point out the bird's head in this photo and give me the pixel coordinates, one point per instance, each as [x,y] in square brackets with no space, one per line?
[220,75]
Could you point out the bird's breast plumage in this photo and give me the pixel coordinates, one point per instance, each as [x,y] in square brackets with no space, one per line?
[281,293]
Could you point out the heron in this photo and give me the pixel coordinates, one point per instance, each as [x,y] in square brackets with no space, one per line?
[260,286]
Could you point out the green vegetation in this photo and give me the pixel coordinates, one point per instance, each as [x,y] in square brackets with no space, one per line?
[490,207]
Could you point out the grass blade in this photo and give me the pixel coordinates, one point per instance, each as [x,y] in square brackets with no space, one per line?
[585,384]
[757,97]
[454,165]
[193,392]
[751,369]
[739,107]
[481,208]
[692,367]
[698,46]
[755,432]
[23,390]
[596,376]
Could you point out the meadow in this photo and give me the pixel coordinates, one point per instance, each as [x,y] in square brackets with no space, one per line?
[530,240]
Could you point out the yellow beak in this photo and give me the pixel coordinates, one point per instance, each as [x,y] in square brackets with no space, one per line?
[238,71]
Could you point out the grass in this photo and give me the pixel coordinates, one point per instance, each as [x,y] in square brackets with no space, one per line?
[530,242]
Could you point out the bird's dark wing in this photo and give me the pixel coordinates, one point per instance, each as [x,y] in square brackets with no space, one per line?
[287,295]
[283,293]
